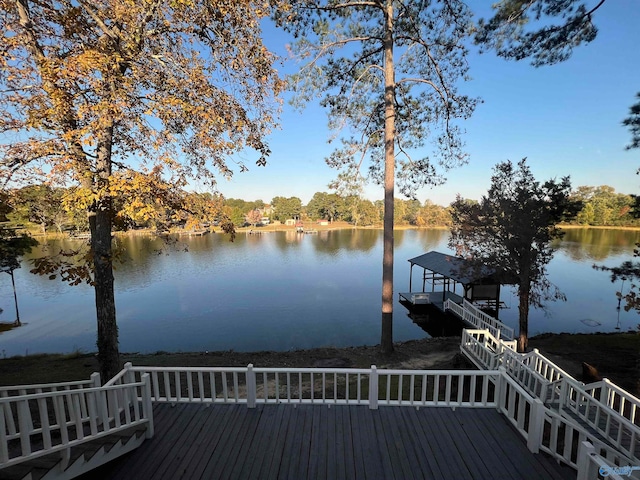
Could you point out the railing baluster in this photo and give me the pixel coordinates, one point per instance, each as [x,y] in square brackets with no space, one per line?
[75,406]
[201,386]
[24,423]
[225,395]
[61,419]
[212,383]
[235,386]
[312,386]
[178,386]
[167,386]
[288,387]
[190,386]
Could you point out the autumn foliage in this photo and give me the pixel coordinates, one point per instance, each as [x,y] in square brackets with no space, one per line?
[114,95]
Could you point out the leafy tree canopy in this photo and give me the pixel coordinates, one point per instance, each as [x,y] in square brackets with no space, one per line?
[546,31]
[633,122]
[91,90]
[511,230]
[285,208]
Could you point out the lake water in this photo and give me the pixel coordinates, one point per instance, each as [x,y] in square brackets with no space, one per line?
[281,291]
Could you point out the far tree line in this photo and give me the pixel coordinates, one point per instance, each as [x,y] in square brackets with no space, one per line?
[42,209]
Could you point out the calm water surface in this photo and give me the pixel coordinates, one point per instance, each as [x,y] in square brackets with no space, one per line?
[281,291]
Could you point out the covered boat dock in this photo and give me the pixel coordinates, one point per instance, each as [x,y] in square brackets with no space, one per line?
[452,278]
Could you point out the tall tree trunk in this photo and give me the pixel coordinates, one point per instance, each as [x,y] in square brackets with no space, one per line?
[100,226]
[523,311]
[386,341]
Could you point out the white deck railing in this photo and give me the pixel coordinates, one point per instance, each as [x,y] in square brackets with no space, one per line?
[542,429]
[614,418]
[505,330]
[472,315]
[340,386]
[618,399]
[16,390]
[545,367]
[603,419]
[545,430]
[57,420]
[592,465]
[38,424]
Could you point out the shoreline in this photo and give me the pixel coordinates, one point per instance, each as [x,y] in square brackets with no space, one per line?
[330,227]
[616,356]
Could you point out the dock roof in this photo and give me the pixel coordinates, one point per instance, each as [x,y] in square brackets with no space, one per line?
[462,271]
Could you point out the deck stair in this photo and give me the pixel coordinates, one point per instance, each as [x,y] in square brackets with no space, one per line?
[608,413]
[472,315]
[78,459]
[60,431]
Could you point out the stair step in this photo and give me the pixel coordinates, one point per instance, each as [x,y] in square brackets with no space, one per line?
[39,467]
[19,472]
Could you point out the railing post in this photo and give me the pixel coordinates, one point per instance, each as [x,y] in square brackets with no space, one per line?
[500,387]
[562,397]
[4,448]
[147,406]
[583,461]
[536,423]
[604,392]
[95,379]
[251,387]
[373,388]
[129,375]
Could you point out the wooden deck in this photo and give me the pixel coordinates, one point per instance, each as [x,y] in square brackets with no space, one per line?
[436,298]
[339,442]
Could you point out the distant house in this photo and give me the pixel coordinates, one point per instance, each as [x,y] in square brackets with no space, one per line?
[290,222]
[323,222]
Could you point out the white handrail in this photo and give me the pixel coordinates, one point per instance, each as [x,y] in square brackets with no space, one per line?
[505,330]
[41,423]
[479,319]
[616,398]
[603,419]
[544,429]
[474,345]
[341,386]
[591,465]
[15,390]
[563,437]
[543,379]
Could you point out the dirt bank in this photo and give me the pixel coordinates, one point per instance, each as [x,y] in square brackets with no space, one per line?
[616,356]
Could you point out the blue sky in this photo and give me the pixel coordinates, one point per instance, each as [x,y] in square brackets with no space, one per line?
[566,119]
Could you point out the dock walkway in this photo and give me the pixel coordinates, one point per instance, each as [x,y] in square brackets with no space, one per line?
[338,442]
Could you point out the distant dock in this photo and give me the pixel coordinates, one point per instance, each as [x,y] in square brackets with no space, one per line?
[194,233]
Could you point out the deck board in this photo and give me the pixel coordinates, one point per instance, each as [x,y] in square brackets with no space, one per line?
[317,441]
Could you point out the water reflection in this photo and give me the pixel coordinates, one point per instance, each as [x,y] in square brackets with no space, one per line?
[596,243]
[282,290]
